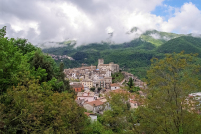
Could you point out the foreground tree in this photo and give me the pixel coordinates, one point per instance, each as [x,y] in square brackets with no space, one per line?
[32,92]
[115,119]
[10,62]
[37,109]
[167,108]
[130,83]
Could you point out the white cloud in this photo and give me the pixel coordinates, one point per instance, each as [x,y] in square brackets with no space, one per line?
[186,19]
[58,20]
[155,36]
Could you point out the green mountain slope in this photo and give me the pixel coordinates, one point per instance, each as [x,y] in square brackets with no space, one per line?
[187,44]
[158,38]
[133,56]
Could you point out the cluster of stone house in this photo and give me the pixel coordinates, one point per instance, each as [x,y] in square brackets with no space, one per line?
[194,100]
[98,77]
[92,76]
[136,81]
[57,57]
[92,102]
[95,104]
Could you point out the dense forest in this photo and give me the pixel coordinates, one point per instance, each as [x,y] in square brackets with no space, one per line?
[35,97]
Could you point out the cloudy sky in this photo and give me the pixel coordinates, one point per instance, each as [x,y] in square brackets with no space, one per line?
[91,20]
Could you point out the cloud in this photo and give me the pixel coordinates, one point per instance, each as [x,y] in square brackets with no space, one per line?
[58,20]
[155,36]
[187,19]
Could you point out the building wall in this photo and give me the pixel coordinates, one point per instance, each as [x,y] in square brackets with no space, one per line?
[114,88]
[100,61]
[133,105]
[114,67]
[108,73]
[88,107]
[87,83]
[94,109]
[74,75]
[108,80]
[98,109]
[95,77]
[93,117]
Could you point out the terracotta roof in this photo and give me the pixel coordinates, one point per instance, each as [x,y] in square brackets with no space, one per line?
[107,77]
[77,85]
[132,97]
[88,94]
[120,91]
[114,85]
[132,101]
[86,80]
[87,113]
[96,103]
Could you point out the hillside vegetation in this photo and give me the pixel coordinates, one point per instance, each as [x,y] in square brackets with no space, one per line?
[158,38]
[185,43]
[133,56]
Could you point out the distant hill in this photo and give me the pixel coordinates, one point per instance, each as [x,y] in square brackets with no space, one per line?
[188,44]
[155,37]
[133,56]
[52,44]
[158,38]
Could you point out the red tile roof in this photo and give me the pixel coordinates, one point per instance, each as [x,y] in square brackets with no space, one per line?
[77,86]
[120,91]
[114,85]
[87,113]
[96,103]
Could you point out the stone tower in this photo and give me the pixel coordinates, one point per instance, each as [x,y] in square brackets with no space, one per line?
[100,61]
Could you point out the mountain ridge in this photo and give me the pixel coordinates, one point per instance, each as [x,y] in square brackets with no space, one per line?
[152,36]
[133,56]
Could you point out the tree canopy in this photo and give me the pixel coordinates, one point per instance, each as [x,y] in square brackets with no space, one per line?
[34,95]
[167,107]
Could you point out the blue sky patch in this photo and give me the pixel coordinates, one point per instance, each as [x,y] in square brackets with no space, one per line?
[168,8]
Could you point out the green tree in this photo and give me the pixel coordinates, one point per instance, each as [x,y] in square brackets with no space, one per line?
[96,128]
[134,89]
[117,77]
[10,63]
[92,89]
[24,46]
[3,32]
[61,77]
[99,88]
[115,119]
[167,107]
[34,109]
[40,60]
[130,83]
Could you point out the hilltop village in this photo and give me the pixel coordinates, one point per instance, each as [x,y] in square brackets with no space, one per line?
[92,83]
